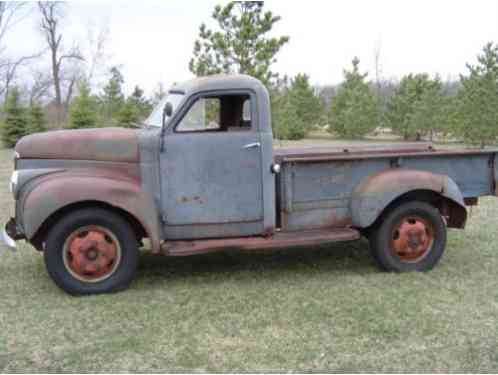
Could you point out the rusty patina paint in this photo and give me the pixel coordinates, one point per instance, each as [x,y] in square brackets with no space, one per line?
[275,241]
[377,191]
[106,144]
[117,186]
[324,154]
[401,180]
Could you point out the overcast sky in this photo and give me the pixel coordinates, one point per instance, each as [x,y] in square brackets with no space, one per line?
[152,40]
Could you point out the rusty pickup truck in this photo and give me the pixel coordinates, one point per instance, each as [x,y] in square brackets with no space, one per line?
[202,175]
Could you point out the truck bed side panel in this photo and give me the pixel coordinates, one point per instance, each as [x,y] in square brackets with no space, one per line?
[317,194]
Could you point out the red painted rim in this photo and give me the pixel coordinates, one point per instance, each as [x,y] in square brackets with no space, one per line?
[92,253]
[412,238]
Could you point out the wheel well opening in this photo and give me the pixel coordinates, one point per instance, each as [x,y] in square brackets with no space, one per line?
[39,237]
[454,214]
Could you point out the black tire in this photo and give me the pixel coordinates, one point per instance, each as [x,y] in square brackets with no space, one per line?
[384,234]
[121,231]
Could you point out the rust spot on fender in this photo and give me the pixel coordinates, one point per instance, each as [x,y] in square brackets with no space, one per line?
[399,180]
[195,199]
[117,186]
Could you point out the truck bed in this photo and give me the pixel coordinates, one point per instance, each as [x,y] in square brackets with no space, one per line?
[316,185]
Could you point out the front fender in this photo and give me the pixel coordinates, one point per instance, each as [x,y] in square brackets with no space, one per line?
[376,192]
[53,192]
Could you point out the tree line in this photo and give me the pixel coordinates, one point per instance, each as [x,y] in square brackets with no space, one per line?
[417,107]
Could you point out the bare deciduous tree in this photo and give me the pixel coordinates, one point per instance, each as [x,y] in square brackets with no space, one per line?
[8,71]
[378,67]
[96,53]
[380,100]
[11,12]
[51,14]
[40,86]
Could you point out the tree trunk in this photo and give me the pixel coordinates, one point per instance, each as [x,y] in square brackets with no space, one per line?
[57,87]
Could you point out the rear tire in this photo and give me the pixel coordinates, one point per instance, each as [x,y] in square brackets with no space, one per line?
[410,237]
[91,251]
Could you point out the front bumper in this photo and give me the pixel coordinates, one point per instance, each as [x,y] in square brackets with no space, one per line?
[7,240]
[10,234]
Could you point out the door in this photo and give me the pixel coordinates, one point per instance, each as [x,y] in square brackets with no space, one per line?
[211,172]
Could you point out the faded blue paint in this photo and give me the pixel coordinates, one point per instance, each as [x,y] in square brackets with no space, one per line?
[212,185]
[368,201]
[341,192]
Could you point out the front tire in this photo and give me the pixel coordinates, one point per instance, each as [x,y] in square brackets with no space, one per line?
[410,237]
[91,251]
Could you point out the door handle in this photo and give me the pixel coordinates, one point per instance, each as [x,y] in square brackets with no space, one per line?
[252,145]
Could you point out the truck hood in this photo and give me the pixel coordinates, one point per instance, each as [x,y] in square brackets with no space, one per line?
[105,144]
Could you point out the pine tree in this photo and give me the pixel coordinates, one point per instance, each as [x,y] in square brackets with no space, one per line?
[113,97]
[15,122]
[141,104]
[83,110]
[429,113]
[37,121]
[128,116]
[478,99]
[353,112]
[241,44]
[307,105]
[286,123]
[407,99]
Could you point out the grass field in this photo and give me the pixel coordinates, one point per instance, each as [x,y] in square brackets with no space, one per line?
[321,309]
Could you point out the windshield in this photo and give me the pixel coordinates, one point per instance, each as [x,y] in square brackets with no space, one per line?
[156,116]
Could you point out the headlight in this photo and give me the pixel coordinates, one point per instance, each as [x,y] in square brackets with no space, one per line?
[13,181]
[16,158]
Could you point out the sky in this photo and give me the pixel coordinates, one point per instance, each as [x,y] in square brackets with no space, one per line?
[152,40]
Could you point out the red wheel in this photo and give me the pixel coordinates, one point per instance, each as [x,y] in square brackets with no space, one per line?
[92,253]
[91,250]
[412,238]
[409,237]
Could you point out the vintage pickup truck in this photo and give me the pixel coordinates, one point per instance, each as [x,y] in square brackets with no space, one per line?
[202,175]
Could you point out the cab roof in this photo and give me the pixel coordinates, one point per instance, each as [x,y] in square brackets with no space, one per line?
[219,82]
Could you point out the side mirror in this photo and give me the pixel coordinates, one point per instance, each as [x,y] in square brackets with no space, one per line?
[168,109]
[167,112]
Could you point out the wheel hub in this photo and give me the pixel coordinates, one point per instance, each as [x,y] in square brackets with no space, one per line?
[91,253]
[412,239]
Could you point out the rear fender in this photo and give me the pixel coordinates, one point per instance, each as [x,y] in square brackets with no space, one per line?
[375,193]
[58,190]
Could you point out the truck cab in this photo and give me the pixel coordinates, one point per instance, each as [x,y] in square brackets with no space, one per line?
[215,159]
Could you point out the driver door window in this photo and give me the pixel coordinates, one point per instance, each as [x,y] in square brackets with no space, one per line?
[223,113]
[203,115]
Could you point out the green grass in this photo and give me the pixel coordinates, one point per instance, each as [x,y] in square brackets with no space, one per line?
[322,309]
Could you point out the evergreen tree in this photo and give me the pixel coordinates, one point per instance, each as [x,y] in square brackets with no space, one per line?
[478,99]
[286,123]
[15,124]
[83,110]
[432,113]
[241,44]
[353,112]
[113,97]
[37,121]
[129,116]
[307,105]
[414,93]
[141,104]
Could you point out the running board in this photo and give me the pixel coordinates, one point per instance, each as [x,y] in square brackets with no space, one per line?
[275,241]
